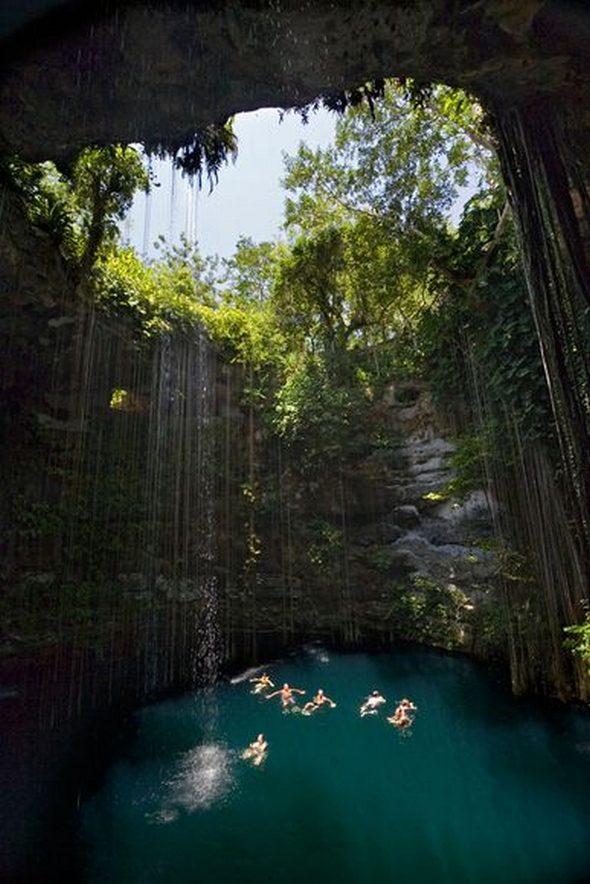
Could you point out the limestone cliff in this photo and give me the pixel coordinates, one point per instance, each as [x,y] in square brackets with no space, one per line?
[383,551]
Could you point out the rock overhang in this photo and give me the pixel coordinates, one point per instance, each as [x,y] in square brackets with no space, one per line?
[156,71]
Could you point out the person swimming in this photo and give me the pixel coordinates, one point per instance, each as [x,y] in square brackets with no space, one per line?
[401,717]
[407,704]
[371,704]
[261,683]
[256,751]
[286,695]
[317,702]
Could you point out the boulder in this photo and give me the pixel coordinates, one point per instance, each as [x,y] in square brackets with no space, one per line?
[406,516]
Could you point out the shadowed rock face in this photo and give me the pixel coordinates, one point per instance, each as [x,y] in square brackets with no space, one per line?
[90,72]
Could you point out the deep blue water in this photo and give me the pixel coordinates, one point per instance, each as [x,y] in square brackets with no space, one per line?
[486,788]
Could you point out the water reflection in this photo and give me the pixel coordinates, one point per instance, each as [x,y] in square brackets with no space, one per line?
[317,653]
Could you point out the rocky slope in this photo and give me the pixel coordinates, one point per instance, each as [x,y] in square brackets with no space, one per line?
[440,535]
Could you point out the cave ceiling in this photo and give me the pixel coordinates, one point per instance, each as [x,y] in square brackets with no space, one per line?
[78,73]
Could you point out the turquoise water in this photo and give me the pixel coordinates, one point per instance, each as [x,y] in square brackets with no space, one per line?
[485,788]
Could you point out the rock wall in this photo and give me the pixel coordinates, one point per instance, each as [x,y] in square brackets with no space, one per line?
[441,533]
[155,71]
[403,558]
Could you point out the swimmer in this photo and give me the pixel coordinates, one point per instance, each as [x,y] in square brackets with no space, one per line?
[401,721]
[407,704]
[286,695]
[318,701]
[261,684]
[401,717]
[256,751]
[371,704]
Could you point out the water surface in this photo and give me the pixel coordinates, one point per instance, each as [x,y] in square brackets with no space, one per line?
[486,788]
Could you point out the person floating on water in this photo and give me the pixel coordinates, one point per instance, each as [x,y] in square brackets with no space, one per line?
[317,702]
[261,683]
[371,705]
[286,695]
[407,704]
[256,751]
[401,717]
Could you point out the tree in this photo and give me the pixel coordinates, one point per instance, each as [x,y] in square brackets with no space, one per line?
[400,162]
[104,182]
[247,276]
[80,210]
[343,287]
[367,218]
[184,273]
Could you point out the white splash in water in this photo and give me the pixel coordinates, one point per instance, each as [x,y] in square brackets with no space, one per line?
[248,673]
[204,777]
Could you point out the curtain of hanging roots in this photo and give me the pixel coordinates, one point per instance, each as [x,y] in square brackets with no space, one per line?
[549,190]
[531,518]
[129,481]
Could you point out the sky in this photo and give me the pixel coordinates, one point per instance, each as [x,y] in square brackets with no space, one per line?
[247,200]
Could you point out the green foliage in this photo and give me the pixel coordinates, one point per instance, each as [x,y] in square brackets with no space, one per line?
[578,639]
[467,461]
[81,210]
[200,153]
[367,219]
[125,287]
[482,321]
[400,165]
[104,182]
[318,414]
[183,276]
[476,344]
[321,321]
[325,545]
[119,399]
[431,612]
[48,199]
[338,287]
[247,276]
[178,292]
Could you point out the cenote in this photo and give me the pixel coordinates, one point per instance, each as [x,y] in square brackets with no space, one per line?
[484,787]
[294,354]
